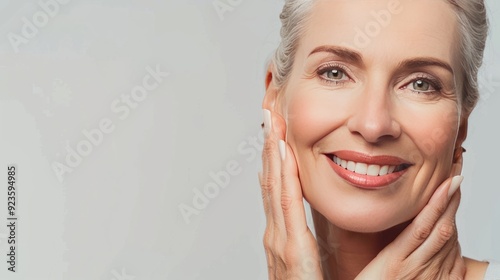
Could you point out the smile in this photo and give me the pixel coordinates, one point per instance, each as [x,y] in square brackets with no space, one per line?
[368,169]
[367,172]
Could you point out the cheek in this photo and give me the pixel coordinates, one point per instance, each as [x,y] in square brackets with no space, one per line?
[313,113]
[433,132]
[433,129]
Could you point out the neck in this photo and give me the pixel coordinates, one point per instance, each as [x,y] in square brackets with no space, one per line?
[345,253]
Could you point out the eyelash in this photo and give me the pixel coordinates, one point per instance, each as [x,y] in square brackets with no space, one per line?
[428,79]
[329,67]
[432,82]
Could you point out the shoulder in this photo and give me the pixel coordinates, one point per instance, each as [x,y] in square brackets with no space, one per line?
[477,270]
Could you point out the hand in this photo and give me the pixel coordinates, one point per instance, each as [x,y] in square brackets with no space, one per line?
[428,248]
[290,246]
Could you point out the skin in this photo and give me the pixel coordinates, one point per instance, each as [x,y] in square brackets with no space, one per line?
[374,110]
[426,249]
[370,104]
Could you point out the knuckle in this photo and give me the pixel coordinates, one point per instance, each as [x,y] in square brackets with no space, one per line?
[440,208]
[268,241]
[269,183]
[283,177]
[422,231]
[286,203]
[269,149]
[266,204]
[446,231]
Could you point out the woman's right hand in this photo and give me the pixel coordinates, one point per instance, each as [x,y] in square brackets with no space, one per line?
[290,246]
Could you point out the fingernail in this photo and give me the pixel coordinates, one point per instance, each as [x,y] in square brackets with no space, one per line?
[267,122]
[282,148]
[260,177]
[455,183]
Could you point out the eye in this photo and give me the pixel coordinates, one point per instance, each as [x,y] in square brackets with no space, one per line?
[424,85]
[333,73]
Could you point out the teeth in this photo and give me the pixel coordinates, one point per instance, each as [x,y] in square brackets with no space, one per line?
[351,166]
[391,168]
[363,168]
[373,170]
[384,170]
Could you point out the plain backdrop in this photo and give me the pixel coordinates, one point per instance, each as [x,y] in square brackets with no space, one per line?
[70,68]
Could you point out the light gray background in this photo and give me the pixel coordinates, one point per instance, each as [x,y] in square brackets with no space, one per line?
[116,215]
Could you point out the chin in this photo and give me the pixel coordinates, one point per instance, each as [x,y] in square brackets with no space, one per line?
[361,216]
[364,225]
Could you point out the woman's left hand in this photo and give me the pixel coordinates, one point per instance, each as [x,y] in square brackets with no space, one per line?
[428,248]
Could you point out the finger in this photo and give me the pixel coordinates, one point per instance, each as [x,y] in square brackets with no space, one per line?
[291,194]
[459,269]
[446,262]
[265,199]
[271,186]
[421,227]
[269,183]
[442,233]
[266,114]
[269,242]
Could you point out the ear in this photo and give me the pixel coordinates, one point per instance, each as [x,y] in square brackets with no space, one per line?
[270,101]
[462,135]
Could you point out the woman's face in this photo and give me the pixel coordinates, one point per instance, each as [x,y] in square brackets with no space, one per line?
[371,107]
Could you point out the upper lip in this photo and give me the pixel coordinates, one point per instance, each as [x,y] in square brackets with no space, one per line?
[369,159]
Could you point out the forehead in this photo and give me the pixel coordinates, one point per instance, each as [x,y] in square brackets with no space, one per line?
[391,29]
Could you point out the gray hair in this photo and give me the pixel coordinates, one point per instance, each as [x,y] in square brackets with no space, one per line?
[473,28]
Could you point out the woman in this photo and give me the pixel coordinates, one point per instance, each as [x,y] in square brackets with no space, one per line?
[365,112]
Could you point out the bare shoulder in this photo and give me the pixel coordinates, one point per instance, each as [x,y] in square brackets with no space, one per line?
[475,269]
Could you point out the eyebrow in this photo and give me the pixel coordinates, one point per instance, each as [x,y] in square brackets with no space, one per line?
[356,58]
[424,62]
[349,55]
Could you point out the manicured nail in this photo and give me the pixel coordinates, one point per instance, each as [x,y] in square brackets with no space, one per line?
[267,122]
[282,148]
[455,183]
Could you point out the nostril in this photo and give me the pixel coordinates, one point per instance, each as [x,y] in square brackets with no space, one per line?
[374,130]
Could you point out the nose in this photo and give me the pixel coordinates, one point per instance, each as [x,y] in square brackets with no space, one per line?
[373,116]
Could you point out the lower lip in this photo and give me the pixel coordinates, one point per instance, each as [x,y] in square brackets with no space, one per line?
[365,181]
